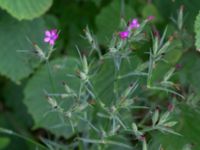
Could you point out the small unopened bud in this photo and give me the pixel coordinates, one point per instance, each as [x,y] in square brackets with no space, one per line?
[178,66]
[102,104]
[68,114]
[85,65]
[170,107]
[149,18]
[83,76]
[128,91]
[155,117]
[67,88]
[134,127]
[142,138]
[39,52]
[144,143]
[52,102]
[88,35]
[113,109]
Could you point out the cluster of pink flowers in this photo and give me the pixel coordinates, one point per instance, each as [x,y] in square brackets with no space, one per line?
[51,36]
[134,24]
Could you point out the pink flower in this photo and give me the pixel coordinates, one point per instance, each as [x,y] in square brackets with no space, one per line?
[124,34]
[142,138]
[149,18]
[134,24]
[178,66]
[51,36]
[170,107]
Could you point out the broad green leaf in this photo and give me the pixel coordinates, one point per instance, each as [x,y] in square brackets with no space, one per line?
[151,10]
[109,19]
[13,95]
[35,98]
[188,127]
[97,2]
[26,9]
[104,80]
[4,142]
[108,90]
[169,8]
[16,58]
[197,32]
[190,70]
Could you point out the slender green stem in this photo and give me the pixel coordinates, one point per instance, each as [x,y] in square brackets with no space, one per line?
[50,76]
[151,63]
[149,129]
[116,83]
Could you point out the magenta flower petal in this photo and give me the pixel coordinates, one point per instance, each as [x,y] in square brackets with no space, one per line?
[170,107]
[53,32]
[55,37]
[134,24]
[134,21]
[149,18]
[52,42]
[47,33]
[124,34]
[46,39]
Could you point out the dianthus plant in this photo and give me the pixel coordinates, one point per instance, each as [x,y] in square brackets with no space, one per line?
[111,105]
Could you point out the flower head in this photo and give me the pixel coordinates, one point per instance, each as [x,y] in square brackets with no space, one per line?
[178,66]
[142,138]
[124,34]
[134,24]
[149,18]
[170,107]
[51,36]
